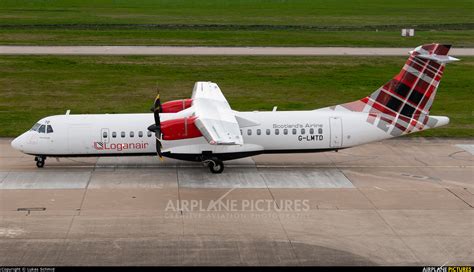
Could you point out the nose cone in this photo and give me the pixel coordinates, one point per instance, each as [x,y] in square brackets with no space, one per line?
[17,143]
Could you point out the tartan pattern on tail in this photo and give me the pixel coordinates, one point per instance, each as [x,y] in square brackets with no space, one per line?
[403,104]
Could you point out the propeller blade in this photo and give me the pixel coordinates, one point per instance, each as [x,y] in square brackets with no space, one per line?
[157,119]
[157,104]
[152,128]
[156,109]
[158,149]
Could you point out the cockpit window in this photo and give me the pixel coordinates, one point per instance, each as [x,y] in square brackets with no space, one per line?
[35,127]
[49,129]
[42,129]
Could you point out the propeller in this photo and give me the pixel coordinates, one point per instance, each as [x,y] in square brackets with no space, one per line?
[156,127]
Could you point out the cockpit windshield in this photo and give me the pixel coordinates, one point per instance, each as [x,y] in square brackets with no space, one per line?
[40,128]
[35,127]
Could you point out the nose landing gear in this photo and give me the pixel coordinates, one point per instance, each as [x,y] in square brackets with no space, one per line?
[40,161]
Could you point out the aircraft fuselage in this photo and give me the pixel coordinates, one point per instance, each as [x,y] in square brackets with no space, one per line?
[126,134]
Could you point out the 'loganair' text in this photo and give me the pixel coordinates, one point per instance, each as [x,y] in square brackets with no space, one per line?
[119,146]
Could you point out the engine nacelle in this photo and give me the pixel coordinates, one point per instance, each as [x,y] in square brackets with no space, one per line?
[176,105]
[182,128]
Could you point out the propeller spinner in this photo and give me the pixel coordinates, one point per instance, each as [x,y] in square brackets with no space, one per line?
[156,128]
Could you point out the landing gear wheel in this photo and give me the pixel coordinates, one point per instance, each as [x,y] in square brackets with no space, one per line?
[216,166]
[40,161]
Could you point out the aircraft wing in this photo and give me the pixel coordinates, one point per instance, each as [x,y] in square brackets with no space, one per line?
[215,119]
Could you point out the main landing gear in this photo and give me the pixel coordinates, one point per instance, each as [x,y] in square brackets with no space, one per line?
[215,165]
[40,161]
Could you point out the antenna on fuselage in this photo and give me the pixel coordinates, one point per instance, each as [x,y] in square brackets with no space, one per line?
[68,112]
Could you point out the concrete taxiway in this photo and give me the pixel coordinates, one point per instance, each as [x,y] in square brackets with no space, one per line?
[212,50]
[396,202]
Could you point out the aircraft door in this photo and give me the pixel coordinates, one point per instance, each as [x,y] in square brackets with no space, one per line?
[335,124]
[104,135]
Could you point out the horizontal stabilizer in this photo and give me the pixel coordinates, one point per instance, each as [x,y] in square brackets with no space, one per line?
[438,58]
[437,121]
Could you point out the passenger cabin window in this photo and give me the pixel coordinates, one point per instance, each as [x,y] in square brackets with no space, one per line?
[131,134]
[320,130]
[122,134]
[285,131]
[148,133]
[49,129]
[140,134]
[267,132]
[114,134]
[303,131]
[277,132]
[294,131]
[249,132]
[42,129]
[259,131]
[104,134]
[311,131]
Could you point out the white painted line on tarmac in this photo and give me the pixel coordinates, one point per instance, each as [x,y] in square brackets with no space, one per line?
[467,147]
[45,180]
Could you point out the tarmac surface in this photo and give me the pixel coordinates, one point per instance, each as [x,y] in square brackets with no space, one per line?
[397,202]
[237,51]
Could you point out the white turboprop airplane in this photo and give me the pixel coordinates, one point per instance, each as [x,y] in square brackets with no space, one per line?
[205,129]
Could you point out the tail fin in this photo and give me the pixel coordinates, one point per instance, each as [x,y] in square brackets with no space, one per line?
[405,101]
